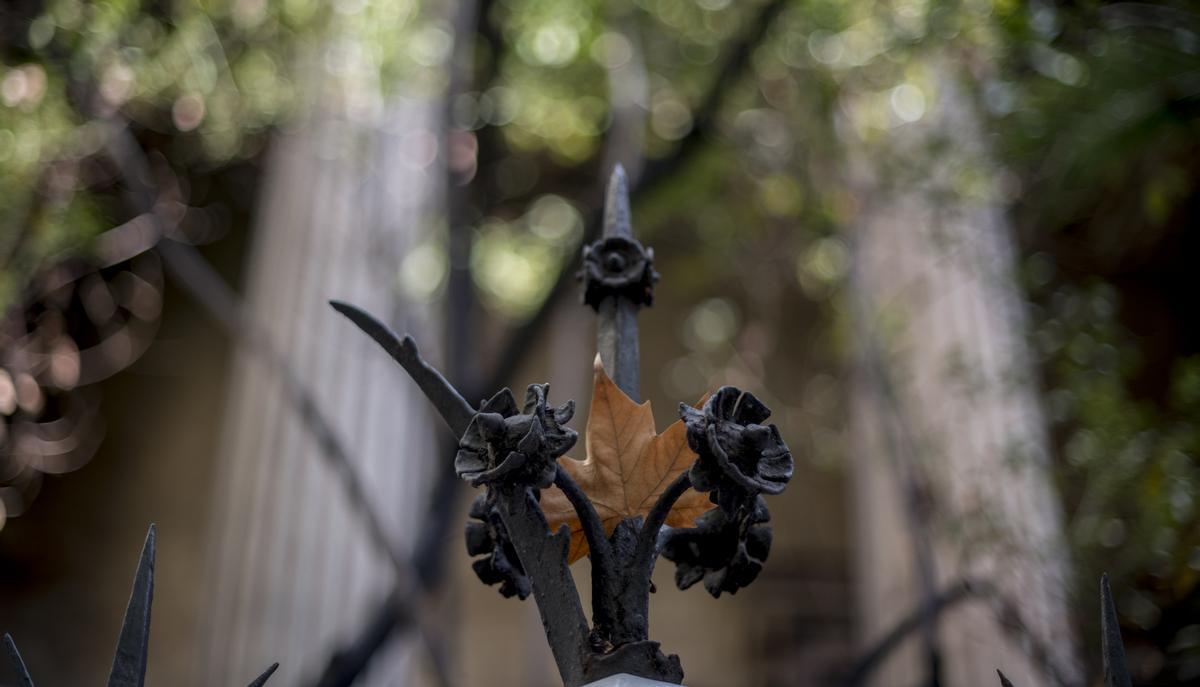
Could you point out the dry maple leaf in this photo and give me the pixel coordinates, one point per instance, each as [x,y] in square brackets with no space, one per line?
[628,466]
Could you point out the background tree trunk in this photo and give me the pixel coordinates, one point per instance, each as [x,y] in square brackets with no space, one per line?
[294,573]
[951,474]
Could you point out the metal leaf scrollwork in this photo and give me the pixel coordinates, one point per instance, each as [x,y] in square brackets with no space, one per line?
[487,537]
[502,445]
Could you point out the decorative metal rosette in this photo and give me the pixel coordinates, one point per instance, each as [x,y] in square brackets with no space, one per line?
[501,445]
[486,536]
[726,552]
[739,458]
[618,266]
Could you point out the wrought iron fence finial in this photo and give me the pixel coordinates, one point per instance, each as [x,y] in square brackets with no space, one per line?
[129,662]
[14,659]
[1116,670]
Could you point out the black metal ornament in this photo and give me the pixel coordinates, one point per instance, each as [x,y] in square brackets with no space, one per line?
[1114,667]
[130,660]
[513,455]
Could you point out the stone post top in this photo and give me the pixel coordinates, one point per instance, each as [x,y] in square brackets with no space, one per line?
[626,680]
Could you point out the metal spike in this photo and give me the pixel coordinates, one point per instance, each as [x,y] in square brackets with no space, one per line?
[14,658]
[617,215]
[129,663]
[616,325]
[1004,681]
[455,411]
[1116,670]
[262,679]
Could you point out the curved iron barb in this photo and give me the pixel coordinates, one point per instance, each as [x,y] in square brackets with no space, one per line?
[130,659]
[513,453]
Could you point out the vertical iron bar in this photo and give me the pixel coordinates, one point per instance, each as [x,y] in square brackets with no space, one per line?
[616,326]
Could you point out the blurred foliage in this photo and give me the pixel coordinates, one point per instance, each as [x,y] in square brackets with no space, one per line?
[1089,109]
[1099,113]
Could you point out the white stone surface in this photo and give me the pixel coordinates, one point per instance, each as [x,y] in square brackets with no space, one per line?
[626,680]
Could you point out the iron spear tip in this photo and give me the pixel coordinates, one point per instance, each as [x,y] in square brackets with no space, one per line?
[262,679]
[18,664]
[129,663]
[1112,649]
[617,215]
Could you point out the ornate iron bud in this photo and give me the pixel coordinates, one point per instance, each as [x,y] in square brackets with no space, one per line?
[618,266]
[739,457]
[486,536]
[502,445]
[726,552]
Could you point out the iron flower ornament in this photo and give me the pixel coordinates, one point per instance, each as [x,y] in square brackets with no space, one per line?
[725,552]
[487,537]
[502,444]
[739,456]
[618,266]
[513,455]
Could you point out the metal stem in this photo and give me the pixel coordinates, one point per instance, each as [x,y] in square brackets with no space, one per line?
[647,548]
[544,557]
[593,528]
[605,598]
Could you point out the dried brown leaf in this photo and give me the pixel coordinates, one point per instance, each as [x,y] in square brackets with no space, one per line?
[627,467]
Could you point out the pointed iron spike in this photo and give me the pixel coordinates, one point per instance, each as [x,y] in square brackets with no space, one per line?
[1116,671]
[14,658]
[1004,681]
[455,411]
[617,216]
[616,329]
[262,679]
[129,663]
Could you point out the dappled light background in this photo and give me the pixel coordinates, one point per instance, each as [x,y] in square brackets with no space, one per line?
[951,245]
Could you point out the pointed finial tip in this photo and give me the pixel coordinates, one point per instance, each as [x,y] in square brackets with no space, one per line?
[262,679]
[616,206]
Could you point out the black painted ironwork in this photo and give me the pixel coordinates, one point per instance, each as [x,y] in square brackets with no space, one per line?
[130,659]
[513,453]
[1112,649]
[1114,667]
